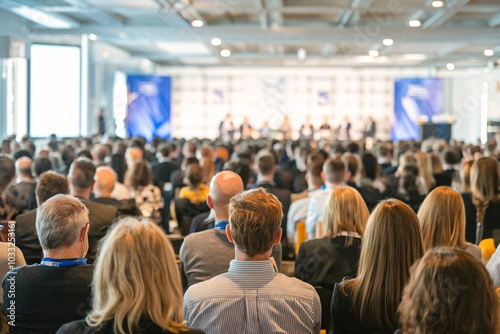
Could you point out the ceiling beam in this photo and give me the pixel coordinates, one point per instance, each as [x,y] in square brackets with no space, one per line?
[94,14]
[440,17]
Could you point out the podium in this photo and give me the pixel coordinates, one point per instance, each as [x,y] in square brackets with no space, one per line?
[440,130]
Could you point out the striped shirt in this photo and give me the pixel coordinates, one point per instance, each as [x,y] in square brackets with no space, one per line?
[252,298]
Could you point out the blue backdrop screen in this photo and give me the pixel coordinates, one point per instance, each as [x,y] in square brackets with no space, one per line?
[149,104]
[414,100]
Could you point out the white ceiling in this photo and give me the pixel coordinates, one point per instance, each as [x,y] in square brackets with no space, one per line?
[270,32]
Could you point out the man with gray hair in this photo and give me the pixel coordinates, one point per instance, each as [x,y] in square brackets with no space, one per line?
[208,253]
[40,298]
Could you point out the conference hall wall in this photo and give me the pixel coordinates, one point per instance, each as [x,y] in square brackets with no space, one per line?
[201,97]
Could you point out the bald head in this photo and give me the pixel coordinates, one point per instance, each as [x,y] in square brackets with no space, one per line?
[23,167]
[105,178]
[223,187]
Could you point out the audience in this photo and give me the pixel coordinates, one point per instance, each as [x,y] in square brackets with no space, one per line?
[216,268]
[40,298]
[134,289]
[251,297]
[391,244]
[449,292]
[442,219]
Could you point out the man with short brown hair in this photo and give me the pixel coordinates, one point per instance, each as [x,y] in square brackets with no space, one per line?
[252,297]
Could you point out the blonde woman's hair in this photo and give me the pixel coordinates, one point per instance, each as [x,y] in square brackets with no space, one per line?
[136,277]
[485,183]
[442,219]
[391,244]
[465,176]
[444,285]
[345,211]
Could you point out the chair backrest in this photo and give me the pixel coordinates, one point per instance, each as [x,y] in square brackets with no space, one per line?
[301,235]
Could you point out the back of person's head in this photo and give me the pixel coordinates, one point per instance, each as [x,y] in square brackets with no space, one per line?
[255,219]
[241,168]
[189,161]
[353,164]
[59,222]
[485,184]
[164,150]
[105,178]
[391,244]
[408,180]
[371,168]
[139,175]
[24,166]
[50,184]
[99,153]
[194,175]
[265,164]
[449,292]
[385,150]
[314,169]
[133,154]
[22,153]
[136,278]
[437,164]
[81,173]
[119,166]
[442,219]
[7,172]
[345,211]
[451,157]
[42,165]
[334,170]
[223,186]
[465,176]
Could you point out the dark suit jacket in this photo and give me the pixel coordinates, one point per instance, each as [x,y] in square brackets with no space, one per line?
[325,261]
[27,238]
[125,207]
[162,172]
[100,217]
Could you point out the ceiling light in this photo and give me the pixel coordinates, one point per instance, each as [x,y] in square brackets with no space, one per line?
[387,42]
[42,18]
[105,54]
[215,41]
[225,53]
[437,4]
[301,54]
[450,66]
[93,37]
[373,53]
[197,23]
[488,52]
[415,23]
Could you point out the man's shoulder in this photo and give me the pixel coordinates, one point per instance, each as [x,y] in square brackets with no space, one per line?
[27,216]
[100,209]
[202,235]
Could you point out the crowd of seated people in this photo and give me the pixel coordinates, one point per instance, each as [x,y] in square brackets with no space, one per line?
[386,229]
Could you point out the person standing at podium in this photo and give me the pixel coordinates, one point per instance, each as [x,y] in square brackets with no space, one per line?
[370,128]
[344,130]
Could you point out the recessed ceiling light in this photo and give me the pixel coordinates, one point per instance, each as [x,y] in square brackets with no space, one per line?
[197,23]
[450,66]
[437,4]
[415,23]
[225,53]
[105,54]
[301,54]
[387,42]
[373,53]
[93,37]
[216,41]
[488,52]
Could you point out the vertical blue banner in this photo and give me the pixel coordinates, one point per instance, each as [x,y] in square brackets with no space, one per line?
[149,104]
[415,100]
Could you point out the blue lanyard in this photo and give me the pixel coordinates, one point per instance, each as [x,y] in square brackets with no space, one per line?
[221,225]
[49,262]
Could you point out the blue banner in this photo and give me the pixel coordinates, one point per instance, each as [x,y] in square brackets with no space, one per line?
[416,101]
[149,104]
